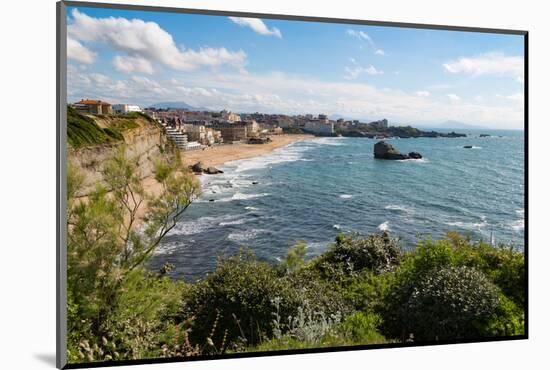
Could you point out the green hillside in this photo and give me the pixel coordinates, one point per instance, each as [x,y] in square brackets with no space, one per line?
[82,131]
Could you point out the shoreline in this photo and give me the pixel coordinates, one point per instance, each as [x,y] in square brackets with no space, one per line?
[218,155]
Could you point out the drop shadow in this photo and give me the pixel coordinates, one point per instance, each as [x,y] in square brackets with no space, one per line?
[46,358]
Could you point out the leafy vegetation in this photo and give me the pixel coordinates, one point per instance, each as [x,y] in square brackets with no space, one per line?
[362,290]
[82,130]
[117,308]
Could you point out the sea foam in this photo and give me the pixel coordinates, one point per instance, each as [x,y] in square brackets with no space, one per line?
[384,226]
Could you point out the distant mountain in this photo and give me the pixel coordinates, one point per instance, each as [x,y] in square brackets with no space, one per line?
[457,124]
[177,105]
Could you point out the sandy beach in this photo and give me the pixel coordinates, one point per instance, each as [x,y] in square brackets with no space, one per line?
[218,155]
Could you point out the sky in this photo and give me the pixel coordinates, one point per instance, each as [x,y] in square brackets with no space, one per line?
[409,76]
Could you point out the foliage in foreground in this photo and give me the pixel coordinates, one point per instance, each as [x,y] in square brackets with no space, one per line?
[362,290]
[116,308]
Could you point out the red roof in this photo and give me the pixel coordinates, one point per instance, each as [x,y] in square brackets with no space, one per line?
[92,102]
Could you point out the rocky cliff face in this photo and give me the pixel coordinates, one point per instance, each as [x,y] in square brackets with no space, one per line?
[143,143]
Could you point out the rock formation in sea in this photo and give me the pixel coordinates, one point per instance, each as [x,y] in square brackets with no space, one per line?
[384,150]
[199,168]
[212,171]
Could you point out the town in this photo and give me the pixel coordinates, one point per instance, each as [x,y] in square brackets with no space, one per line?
[191,130]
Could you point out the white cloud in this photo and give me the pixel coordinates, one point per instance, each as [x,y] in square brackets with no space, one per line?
[493,63]
[353,73]
[380,52]
[361,35]
[278,92]
[78,52]
[453,97]
[257,25]
[147,40]
[127,64]
[423,94]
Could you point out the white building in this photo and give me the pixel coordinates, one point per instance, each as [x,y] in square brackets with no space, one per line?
[126,108]
[179,138]
[320,127]
[230,116]
[193,145]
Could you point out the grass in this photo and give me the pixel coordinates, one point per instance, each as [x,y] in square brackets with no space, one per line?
[83,131]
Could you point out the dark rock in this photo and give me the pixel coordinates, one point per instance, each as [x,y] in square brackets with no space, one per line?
[255,182]
[383,150]
[453,134]
[415,155]
[484,135]
[210,200]
[198,167]
[212,171]
[259,140]
[468,146]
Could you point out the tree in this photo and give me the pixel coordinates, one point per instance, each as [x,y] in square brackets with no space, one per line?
[106,253]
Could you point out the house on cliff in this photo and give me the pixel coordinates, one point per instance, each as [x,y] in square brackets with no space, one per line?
[93,106]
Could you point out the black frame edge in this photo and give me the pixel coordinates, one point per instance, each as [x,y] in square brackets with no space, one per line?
[61,185]
[292,17]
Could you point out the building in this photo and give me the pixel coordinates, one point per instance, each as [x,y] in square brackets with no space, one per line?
[382,124]
[126,108]
[193,145]
[252,128]
[195,132]
[93,106]
[213,136]
[231,132]
[179,138]
[230,116]
[320,127]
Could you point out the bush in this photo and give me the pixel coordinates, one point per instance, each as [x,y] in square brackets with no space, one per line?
[508,319]
[235,302]
[320,295]
[367,290]
[362,328]
[450,303]
[348,255]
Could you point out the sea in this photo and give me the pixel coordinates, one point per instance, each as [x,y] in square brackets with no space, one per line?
[312,190]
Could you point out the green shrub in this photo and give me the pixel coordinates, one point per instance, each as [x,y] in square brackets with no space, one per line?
[362,328]
[235,302]
[311,290]
[367,290]
[450,303]
[503,265]
[295,258]
[507,320]
[349,255]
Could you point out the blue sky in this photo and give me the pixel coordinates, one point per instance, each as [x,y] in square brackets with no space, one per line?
[411,76]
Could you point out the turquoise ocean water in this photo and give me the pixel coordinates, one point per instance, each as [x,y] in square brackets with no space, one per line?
[312,190]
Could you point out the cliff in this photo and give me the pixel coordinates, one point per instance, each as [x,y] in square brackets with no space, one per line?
[142,136]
